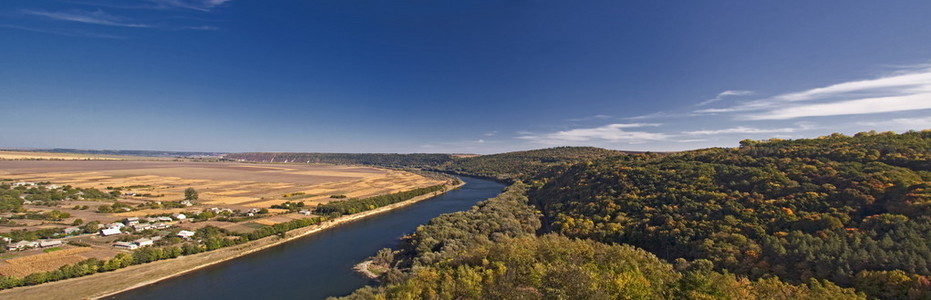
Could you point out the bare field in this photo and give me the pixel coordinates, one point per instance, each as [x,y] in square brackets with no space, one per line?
[43,262]
[219,184]
[29,155]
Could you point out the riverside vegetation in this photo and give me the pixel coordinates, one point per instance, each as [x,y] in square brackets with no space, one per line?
[837,217]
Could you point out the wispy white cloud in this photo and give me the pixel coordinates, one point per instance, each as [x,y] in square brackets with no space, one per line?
[902,91]
[851,107]
[98,17]
[912,123]
[201,5]
[590,118]
[611,133]
[491,133]
[72,33]
[741,129]
[202,27]
[725,94]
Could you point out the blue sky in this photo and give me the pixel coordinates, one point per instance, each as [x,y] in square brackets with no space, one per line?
[456,76]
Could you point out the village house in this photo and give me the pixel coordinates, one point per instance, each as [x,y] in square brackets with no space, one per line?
[21,245]
[164,219]
[49,243]
[185,234]
[144,242]
[116,225]
[126,245]
[142,227]
[109,231]
[306,212]
[132,221]
[73,230]
[179,216]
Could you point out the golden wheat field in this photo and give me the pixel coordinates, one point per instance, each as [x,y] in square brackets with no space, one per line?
[29,155]
[220,184]
[25,265]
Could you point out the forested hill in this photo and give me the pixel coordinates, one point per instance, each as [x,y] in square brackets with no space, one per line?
[852,210]
[416,160]
[525,164]
[492,252]
[506,166]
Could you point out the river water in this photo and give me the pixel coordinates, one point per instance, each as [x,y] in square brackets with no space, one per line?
[316,266]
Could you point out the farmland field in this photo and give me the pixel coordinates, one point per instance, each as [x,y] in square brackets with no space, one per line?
[236,185]
[141,187]
[31,155]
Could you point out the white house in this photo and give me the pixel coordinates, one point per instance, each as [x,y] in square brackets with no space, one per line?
[306,212]
[126,245]
[109,231]
[142,227]
[185,234]
[116,225]
[21,245]
[180,216]
[72,230]
[132,221]
[49,243]
[144,242]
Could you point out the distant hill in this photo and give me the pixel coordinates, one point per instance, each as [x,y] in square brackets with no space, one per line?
[525,164]
[507,166]
[416,160]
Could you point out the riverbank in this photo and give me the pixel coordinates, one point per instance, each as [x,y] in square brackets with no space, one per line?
[110,283]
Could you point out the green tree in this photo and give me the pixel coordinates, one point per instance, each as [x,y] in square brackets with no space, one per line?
[190,194]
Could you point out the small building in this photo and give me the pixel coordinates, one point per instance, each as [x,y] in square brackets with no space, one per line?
[164,219]
[73,230]
[126,245]
[131,221]
[22,245]
[179,216]
[109,231]
[185,234]
[143,227]
[116,225]
[49,243]
[144,242]
[187,203]
[306,212]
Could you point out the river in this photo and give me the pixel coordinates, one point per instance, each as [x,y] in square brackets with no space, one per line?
[316,266]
